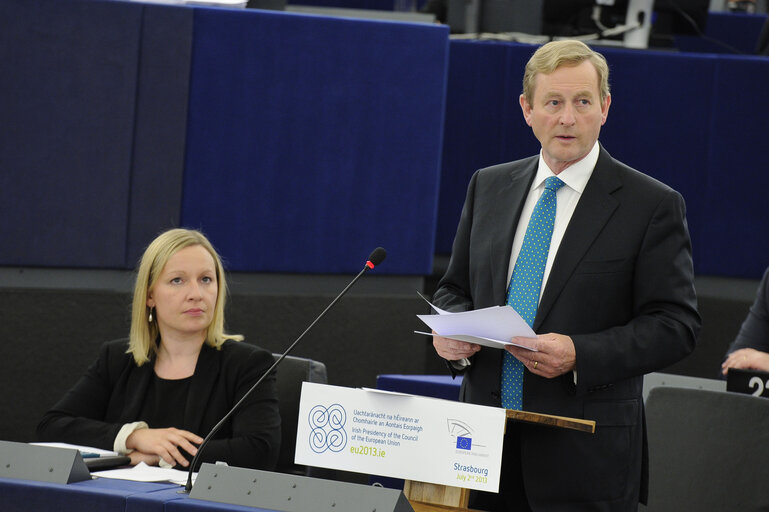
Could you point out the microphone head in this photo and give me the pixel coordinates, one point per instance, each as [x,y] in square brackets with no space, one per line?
[376,257]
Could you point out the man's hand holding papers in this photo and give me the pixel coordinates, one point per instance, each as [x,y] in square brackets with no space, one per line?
[458,336]
[554,355]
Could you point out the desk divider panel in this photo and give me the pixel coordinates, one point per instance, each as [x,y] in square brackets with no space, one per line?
[67,96]
[484,124]
[161,125]
[734,220]
[312,140]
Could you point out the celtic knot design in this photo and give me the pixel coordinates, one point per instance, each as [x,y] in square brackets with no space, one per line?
[327,428]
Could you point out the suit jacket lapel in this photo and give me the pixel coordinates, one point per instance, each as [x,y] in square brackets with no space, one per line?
[593,211]
[506,212]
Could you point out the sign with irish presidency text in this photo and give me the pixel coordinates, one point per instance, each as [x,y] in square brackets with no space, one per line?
[400,436]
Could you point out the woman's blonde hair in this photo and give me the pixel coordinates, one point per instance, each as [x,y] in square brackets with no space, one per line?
[143,335]
[555,54]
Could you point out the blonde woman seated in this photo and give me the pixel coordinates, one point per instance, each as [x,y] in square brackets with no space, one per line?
[156,395]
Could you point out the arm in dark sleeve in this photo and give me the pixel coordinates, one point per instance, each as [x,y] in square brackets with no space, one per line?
[453,293]
[79,417]
[754,332]
[254,438]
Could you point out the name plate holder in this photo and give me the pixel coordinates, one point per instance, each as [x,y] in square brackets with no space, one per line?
[42,463]
[751,382]
[292,493]
[428,497]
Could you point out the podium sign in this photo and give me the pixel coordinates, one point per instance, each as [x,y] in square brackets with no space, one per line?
[400,436]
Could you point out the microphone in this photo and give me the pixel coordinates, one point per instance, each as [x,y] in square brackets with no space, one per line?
[376,257]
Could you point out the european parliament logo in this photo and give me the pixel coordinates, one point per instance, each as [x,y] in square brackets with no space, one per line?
[462,432]
[464,443]
[327,428]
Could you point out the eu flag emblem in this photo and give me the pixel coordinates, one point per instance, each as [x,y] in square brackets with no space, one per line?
[464,443]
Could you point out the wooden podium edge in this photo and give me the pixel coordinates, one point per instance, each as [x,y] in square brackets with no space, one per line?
[552,421]
[426,497]
[420,506]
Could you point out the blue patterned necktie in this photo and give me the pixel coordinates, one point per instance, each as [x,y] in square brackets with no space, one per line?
[526,284]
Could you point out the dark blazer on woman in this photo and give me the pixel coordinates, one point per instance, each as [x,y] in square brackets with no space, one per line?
[112,391]
[621,286]
[754,332]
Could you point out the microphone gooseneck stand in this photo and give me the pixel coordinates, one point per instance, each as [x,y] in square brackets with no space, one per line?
[375,258]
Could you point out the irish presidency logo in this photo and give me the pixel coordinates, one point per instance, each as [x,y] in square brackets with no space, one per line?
[327,428]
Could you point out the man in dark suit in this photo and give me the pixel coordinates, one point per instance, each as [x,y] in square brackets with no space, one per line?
[617,298]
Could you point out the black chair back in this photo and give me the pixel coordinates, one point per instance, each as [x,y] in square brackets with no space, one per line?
[708,450]
[291,373]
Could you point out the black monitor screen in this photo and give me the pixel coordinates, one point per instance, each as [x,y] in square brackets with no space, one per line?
[677,17]
[568,18]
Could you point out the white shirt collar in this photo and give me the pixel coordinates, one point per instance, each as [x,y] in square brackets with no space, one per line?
[575,176]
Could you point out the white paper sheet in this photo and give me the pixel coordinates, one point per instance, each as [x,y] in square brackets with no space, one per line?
[82,449]
[493,327]
[144,473]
